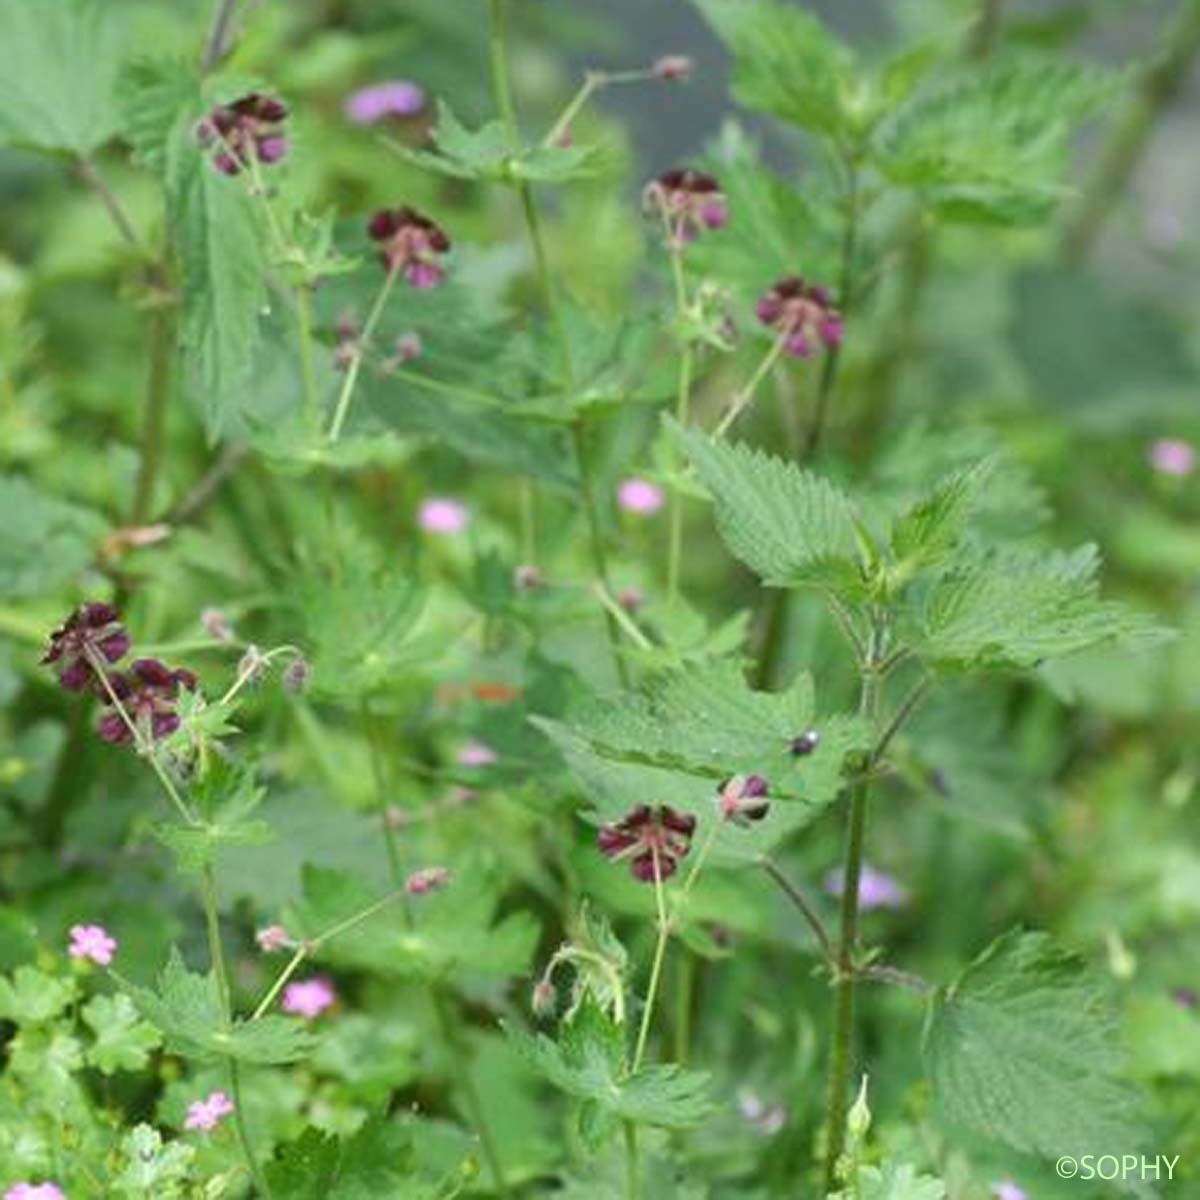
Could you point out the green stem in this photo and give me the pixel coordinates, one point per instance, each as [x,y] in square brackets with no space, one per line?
[675,547]
[660,950]
[844,983]
[986,29]
[343,401]
[746,394]
[1158,87]
[217,44]
[307,370]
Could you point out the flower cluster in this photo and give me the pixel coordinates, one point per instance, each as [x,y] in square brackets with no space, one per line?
[93,943]
[410,244]
[655,840]
[690,202]
[245,131]
[308,998]
[205,1115]
[801,313]
[144,697]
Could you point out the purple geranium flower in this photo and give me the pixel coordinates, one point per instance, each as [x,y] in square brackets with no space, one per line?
[392,98]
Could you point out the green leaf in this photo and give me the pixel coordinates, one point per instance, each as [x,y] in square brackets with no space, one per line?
[153,96]
[587,1062]
[123,1041]
[267,1040]
[785,61]
[1017,607]
[1022,1049]
[924,535]
[153,1167]
[894,1181]
[223,279]
[58,70]
[791,527]
[31,997]
[229,821]
[987,145]
[377,1163]
[44,542]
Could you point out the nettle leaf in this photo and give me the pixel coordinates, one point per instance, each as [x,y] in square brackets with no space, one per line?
[893,1181]
[377,1163]
[30,997]
[587,1062]
[1022,1049]
[44,542]
[487,153]
[987,145]
[153,95]
[186,1008]
[1017,607]
[785,61]
[791,527]
[222,259]
[925,533]
[123,1041]
[58,71]
[153,1167]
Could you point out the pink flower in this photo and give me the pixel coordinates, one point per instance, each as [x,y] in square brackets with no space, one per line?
[393,98]
[639,496]
[1171,456]
[441,515]
[273,937]
[205,1115]
[427,879]
[876,889]
[309,998]
[35,1191]
[1007,1190]
[92,942]
[476,754]
[673,66]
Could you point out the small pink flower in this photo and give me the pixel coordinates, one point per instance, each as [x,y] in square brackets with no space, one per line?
[1007,1190]
[394,98]
[92,942]
[639,496]
[308,998]
[273,937]
[1171,456]
[35,1191]
[427,879]
[441,515]
[673,66]
[476,754]
[876,889]
[205,1115]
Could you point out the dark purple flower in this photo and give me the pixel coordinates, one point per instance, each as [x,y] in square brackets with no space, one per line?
[148,693]
[648,835]
[689,201]
[243,130]
[93,631]
[394,98]
[805,743]
[743,799]
[411,243]
[802,314]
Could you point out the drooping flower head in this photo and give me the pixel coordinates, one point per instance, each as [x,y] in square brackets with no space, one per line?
[272,938]
[205,1115]
[149,693]
[689,201]
[35,1191]
[411,243]
[308,998]
[743,799]
[244,130]
[92,942]
[439,514]
[876,889]
[297,675]
[647,835]
[1172,456]
[92,632]
[392,98]
[543,1000]
[426,880]
[802,314]
[639,496]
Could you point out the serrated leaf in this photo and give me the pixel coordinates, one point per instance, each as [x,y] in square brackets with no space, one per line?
[123,1041]
[58,71]
[44,541]
[1020,607]
[1022,1049]
[31,997]
[377,1163]
[153,1167]
[267,1040]
[925,533]
[785,61]
[153,95]
[791,527]
[228,799]
[894,1181]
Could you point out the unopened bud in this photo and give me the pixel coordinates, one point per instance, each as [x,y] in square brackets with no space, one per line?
[544,998]
[673,66]
[216,624]
[273,937]
[528,578]
[296,675]
[427,879]
[858,1119]
[253,664]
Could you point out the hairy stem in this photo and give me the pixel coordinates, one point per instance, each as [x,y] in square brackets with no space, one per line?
[660,950]
[219,34]
[807,911]
[1158,87]
[342,406]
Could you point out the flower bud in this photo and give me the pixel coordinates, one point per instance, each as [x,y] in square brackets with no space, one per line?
[858,1119]
[296,675]
[544,998]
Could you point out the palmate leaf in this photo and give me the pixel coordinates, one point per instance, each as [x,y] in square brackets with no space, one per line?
[894,1181]
[58,70]
[1019,607]
[792,528]
[152,1167]
[785,61]
[123,1040]
[987,145]
[1022,1050]
[44,541]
